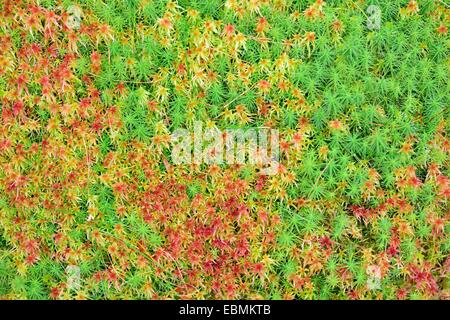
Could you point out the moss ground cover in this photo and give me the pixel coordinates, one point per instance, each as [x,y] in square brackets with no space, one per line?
[91,90]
